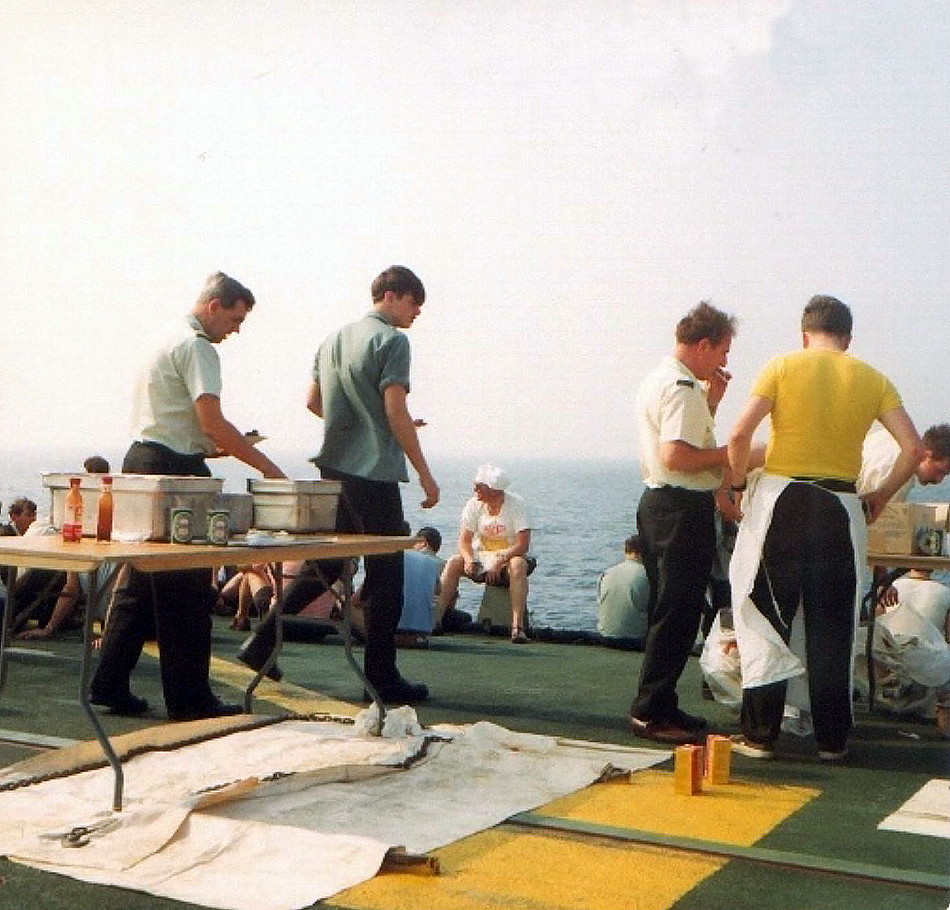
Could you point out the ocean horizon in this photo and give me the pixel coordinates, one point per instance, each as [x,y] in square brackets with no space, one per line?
[581,509]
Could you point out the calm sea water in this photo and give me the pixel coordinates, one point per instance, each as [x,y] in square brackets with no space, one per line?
[581,510]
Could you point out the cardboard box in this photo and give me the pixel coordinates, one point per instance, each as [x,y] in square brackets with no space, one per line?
[910,528]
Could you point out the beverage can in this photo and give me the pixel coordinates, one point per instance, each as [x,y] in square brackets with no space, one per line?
[718,759]
[688,770]
[219,527]
[182,523]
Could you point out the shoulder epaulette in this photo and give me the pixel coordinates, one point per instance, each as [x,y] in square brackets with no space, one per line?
[685,382]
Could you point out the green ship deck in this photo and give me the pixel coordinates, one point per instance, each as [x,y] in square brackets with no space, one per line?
[790,833]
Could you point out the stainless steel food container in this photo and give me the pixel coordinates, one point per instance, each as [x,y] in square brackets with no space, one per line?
[141,503]
[294,505]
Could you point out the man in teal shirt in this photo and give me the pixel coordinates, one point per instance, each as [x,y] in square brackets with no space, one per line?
[360,384]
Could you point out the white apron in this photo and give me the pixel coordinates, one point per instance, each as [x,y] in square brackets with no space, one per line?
[764,657]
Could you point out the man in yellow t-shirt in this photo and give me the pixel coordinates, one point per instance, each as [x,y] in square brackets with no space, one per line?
[801,540]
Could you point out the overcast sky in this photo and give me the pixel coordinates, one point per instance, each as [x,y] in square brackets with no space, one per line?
[566,178]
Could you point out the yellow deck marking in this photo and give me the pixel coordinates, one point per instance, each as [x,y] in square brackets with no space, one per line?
[535,870]
[505,869]
[740,812]
[283,694]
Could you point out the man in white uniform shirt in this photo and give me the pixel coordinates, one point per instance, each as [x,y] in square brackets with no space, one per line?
[683,469]
[177,422]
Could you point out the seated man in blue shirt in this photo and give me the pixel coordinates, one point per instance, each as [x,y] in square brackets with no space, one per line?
[421,571]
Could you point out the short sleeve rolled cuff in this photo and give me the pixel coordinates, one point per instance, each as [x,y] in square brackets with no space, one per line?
[672,406]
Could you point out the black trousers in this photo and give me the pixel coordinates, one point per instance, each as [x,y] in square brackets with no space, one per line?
[367,507]
[678,537]
[807,560]
[174,607]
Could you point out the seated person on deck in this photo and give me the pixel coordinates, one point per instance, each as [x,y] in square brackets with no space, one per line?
[623,594]
[422,568]
[911,650]
[420,587]
[494,539]
[36,591]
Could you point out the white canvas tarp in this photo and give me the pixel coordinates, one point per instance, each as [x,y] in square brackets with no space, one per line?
[278,817]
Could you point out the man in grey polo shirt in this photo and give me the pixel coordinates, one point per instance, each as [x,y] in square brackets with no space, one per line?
[177,422]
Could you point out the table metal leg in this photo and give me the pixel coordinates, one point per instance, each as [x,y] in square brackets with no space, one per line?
[5,625]
[346,607]
[277,570]
[345,599]
[91,600]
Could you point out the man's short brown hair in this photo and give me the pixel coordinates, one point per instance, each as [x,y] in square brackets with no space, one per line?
[704,321]
[827,315]
[937,441]
[20,505]
[227,290]
[399,280]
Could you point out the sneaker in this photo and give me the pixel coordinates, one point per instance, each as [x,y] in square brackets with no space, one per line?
[664,732]
[213,708]
[125,705]
[750,749]
[519,638]
[832,754]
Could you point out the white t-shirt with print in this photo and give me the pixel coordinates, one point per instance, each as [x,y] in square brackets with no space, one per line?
[494,533]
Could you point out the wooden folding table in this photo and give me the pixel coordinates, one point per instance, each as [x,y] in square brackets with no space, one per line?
[88,556]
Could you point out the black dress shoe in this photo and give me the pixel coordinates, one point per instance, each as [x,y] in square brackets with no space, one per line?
[252,659]
[692,722]
[213,708]
[125,705]
[400,692]
[665,732]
